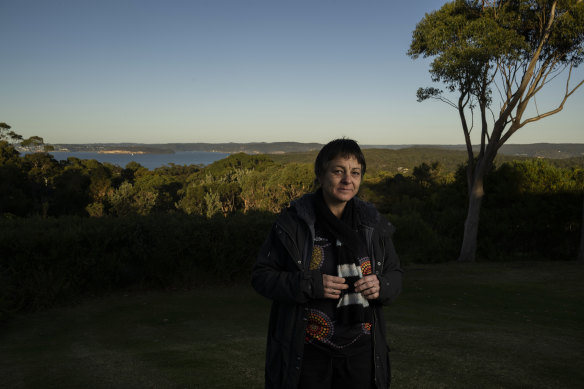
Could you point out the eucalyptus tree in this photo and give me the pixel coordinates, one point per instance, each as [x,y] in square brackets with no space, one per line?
[7,135]
[493,58]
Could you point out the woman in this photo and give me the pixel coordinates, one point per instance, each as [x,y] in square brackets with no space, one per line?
[328,265]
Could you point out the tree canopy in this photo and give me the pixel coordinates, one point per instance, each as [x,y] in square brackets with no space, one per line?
[494,57]
[513,47]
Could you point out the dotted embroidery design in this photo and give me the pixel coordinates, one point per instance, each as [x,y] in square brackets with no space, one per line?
[318,253]
[317,257]
[365,264]
[366,328]
[319,326]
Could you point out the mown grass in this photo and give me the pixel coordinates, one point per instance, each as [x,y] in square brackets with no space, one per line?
[483,325]
[513,325]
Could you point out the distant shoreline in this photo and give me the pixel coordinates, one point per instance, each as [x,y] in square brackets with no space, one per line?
[537,150]
[150,161]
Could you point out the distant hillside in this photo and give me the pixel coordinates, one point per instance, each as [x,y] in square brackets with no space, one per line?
[535,150]
[249,148]
[115,147]
[390,160]
[404,160]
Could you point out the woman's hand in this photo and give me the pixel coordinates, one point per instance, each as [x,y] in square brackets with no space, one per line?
[368,286]
[333,286]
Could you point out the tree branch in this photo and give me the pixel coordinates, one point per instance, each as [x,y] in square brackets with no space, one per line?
[568,93]
[461,104]
[554,111]
[525,81]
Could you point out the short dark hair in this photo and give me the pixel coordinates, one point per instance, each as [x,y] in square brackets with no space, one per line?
[339,147]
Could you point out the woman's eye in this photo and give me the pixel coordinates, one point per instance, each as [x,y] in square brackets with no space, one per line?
[356,174]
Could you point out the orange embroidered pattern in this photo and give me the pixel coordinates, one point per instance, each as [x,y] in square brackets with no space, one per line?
[367,328]
[366,266]
[319,326]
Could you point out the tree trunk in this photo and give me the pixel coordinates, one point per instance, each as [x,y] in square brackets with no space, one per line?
[581,249]
[471,225]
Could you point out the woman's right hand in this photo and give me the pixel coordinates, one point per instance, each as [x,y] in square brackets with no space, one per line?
[333,286]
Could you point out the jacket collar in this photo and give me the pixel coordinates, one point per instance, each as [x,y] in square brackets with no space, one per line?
[304,208]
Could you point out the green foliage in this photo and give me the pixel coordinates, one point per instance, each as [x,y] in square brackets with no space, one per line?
[6,134]
[416,240]
[14,184]
[187,224]
[8,154]
[48,261]
[467,39]
[428,174]
[533,211]
[212,204]
[226,168]
[33,141]
[427,213]
[513,46]
[122,201]
[289,183]
[87,187]
[243,182]
[403,161]
[192,201]
[238,183]
[71,193]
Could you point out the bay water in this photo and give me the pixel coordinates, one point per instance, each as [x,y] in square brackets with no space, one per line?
[149,161]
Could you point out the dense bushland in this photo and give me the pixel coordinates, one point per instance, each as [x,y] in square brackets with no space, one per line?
[540,219]
[54,260]
[80,227]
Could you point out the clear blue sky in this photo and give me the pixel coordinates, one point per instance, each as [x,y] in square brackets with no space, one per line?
[79,71]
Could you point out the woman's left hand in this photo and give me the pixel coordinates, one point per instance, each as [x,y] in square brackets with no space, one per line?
[368,286]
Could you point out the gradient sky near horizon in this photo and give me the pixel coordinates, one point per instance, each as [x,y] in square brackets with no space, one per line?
[77,71]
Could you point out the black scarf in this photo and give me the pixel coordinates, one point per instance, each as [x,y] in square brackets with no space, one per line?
[351,251]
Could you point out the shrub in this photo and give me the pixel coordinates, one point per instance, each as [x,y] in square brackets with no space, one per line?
[417,241]
[55,260]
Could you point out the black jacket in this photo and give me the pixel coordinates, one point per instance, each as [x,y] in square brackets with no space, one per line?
[281,274]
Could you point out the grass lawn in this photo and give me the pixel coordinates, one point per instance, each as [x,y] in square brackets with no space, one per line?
[483,325]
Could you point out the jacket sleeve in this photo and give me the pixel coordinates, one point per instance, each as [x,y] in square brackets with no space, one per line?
[390,276]
[276,276]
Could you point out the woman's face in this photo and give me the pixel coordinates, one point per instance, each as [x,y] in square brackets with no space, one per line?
[340,180]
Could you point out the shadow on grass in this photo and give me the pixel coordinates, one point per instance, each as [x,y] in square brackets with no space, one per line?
[478,325]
